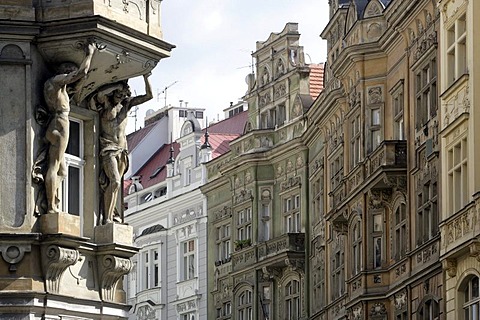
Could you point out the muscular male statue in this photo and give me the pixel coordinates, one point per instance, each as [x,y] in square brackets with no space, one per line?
[115,102]
[58,103]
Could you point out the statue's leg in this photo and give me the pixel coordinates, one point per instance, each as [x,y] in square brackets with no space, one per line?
[51,179]
[110,166]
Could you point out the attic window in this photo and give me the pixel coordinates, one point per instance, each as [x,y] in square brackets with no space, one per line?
[157,171]
[199,114]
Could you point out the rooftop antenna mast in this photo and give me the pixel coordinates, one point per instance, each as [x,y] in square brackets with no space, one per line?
[165,92]
[133,113]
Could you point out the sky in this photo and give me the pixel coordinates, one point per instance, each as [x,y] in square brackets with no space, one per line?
[214,40]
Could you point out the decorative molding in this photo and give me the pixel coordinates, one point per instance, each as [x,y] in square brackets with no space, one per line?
[291,183]
[378,309]
[111,269]
[400,300]
[55,260]
[14,253]
[378,198]
[450,266]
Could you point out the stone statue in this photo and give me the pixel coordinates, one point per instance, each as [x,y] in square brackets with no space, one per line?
[114,102]
[57,133]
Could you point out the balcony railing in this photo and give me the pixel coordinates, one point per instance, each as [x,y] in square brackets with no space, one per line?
[290,242]
[391,153]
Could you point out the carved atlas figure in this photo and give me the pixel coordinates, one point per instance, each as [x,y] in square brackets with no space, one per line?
[113,103]
[57,131]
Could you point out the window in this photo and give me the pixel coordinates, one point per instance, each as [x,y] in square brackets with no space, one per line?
[223,242]
[292,300]
[318,297]
[457,176]
[244,306]
[199,114]
[429,310]
[355,141]
[398,122]
[244,224]
[72,185]
[336,171]
[150,269]
[471,300]
[400,232]
[188,260]
[291,214]
[377,252]
[188,316]
[182,113]
[188,175]
[404,316]
[318,201]
[427,218]
[338,264]
[456,49]
[375,128]
[265,300]
[264,234]
[281,115]
[356,248]
[426,93]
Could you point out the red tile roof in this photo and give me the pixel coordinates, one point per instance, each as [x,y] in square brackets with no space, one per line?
[316,79]
[134,138]
[220,134]
[232,125]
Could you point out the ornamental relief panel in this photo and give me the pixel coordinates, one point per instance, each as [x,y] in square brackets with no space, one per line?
[451,9]
[456,105]
[375,95]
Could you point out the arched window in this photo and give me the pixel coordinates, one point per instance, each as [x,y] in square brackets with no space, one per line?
[471,300]
[292,300]
[429,310]
[244,305]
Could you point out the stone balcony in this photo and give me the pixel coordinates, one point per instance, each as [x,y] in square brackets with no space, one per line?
[390,154]
[272,253]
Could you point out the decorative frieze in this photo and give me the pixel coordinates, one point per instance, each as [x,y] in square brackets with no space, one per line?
[378,310]
[400,300]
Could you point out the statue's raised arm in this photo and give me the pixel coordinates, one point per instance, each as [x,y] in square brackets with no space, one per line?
[135,101]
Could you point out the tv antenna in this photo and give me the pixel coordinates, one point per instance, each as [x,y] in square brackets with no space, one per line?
[133,112]
[164,91]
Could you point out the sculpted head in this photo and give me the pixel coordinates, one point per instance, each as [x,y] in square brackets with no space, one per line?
[66,67]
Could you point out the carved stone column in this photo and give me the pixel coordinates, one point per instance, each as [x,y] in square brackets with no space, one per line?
[111,270]
[55,260]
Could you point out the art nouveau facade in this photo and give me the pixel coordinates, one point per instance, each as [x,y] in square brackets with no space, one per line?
[460,176]
[257,195]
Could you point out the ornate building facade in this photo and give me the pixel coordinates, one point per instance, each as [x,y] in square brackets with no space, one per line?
[374,165]
[167,212]
[378,171]
[460,176]
[62,254]
[257,194]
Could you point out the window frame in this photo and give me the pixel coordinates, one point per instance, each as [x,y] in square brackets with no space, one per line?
[188,259]
[77,162]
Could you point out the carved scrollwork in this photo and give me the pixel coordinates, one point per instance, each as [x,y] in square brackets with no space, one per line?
[112,268]
[56,260]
